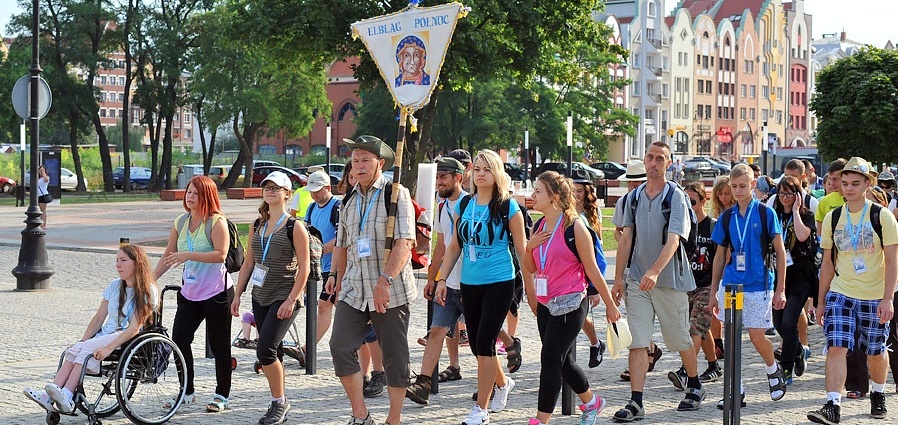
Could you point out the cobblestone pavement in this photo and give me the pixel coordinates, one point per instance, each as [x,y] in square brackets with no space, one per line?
[37,326]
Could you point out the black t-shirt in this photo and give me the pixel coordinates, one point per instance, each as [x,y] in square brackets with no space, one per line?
[800,251]
[703,257]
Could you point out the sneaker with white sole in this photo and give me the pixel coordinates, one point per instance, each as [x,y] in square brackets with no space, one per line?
[500,396]
[477,416]
[63,404]
[591,414]
[40,397]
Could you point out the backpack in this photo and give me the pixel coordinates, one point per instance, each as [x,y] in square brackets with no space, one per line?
[688,244]
[571,242]
[504,209]
[335,212]
[803,250]
[875,210]
[236,251]
[766,240]
[423,228]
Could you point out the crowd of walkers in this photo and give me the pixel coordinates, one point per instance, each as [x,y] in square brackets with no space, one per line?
[806,249]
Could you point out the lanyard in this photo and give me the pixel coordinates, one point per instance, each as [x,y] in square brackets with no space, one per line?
[544,248]
[188,236]
[267,245]
[854,232]
[121,325]
[364,218]
[751,209]
[474,220]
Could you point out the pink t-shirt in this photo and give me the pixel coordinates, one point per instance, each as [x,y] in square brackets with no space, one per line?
[565,272]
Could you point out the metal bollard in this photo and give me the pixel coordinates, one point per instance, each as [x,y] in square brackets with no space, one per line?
[311,327]
[732,374]
[567,395]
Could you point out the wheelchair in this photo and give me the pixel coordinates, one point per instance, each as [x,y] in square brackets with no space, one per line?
[137,378]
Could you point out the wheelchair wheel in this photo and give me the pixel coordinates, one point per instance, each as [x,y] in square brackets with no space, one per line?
[100,390]
[150,375]
[52,418]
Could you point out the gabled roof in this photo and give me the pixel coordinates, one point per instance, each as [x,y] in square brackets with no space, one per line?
[719,10]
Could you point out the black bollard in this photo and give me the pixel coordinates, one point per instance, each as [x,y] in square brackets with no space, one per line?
[732,374]
[435,373]
[311,327]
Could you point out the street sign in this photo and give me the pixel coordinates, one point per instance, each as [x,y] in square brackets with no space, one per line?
[21,97]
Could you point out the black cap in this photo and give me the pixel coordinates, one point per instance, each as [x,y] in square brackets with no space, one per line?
[461,155]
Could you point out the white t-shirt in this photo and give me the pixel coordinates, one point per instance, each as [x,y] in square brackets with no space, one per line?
[445,219]
[114,322]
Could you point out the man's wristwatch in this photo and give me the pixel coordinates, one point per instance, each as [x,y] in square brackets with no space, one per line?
[388,278]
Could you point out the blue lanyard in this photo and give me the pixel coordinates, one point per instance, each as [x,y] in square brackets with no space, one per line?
[121,325]
[474,220]
[188,236]
[364,218]
[751,209]
[544,248]
[854,232]
[267,245]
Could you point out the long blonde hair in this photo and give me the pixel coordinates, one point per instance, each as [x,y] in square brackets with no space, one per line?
[557,184]
[500,188]
[717,207]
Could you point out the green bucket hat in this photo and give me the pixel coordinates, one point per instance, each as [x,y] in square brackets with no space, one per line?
[374,145]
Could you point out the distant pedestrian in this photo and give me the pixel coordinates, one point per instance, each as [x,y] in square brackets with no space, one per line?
[43,194]
[199,241]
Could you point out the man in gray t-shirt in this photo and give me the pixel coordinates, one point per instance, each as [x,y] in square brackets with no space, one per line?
[657,282]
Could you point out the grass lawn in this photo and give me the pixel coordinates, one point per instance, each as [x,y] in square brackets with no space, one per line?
[90,198]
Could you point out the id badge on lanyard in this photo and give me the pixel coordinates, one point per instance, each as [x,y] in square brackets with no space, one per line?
[258,276]
[542,285]
[364,245]
[740,261]
[189,275]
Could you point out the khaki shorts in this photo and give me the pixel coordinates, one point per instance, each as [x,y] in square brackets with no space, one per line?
[670,306]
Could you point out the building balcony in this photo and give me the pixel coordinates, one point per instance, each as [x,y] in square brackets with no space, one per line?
[656,43]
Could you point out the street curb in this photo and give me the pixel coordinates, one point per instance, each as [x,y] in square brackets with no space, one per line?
[94,250]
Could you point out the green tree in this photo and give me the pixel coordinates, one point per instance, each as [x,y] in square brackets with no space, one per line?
[857,105]
[527,42]
[13,67]
[244,84]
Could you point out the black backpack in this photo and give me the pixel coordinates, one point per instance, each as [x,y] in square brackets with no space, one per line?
[335,213]
[766,240]
[687,245]
[875,210]
[236,251]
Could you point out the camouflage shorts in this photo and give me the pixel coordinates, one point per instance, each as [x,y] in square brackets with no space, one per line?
[699,316]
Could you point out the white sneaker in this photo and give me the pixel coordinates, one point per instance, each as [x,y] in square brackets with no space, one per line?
[500,396]
[63,403]
[40,397]
[477,416]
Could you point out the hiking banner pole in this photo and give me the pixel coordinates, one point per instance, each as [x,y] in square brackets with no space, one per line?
[732,375]
[397,175]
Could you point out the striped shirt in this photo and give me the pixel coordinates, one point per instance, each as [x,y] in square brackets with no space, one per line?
[357,287]
[281,263]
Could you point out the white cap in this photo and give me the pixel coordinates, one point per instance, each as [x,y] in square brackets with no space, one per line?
[278,178]
[317,181]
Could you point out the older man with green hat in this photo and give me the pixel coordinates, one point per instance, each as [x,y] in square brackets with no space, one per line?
[367,290]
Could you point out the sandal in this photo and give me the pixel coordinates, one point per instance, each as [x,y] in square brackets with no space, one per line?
[857,394]
[514,356]
[625,375]
[217,404]
[188,399]
[452,373]
[240,343]
[655,356]
[779,386]
[631,412]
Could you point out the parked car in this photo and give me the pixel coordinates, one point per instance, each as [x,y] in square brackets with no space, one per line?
[612,170]
[140,177]
[259,174]
[265,163]
[581,170]
[696,170]
[67,180]
[218,174]
[516,172]
[7,185]
[720,167]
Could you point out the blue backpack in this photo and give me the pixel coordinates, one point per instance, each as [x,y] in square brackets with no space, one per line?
[570,241]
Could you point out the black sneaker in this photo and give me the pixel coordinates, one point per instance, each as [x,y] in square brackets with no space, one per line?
[711,374]
[678,378]
[276,413]
[376,384]
[596,354]
[801,360]
[828,414]
[770,332]
[419,391]
[878,405]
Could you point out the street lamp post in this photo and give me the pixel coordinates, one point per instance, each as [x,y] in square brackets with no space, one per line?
[570,144]
[33,270]
[526,156]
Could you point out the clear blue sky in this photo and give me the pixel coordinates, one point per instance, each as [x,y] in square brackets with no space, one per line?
[865,21]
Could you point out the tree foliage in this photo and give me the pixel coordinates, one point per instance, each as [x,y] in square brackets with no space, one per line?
[857,105]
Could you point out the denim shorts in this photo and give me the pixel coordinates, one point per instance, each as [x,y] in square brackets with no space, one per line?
[446,316]
[847,317]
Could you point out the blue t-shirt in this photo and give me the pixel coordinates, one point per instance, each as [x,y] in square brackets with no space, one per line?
[493,259]
[756,277]
[320,218]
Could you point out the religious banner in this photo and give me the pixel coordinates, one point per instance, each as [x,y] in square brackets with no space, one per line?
[409,47]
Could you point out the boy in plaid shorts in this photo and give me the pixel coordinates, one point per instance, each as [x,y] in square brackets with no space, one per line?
[857,286]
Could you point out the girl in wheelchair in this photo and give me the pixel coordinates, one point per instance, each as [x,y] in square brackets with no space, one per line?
[128,303]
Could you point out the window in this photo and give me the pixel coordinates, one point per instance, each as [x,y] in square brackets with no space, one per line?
[765,92]
[752,91]
[701,86]
[635,60]
[698,59]
[700,111]
[665,90]
[187,134]
[712,61]
[649,114]
[751,114]
[121,97]
[686,87]
[679,85]
[121,81]
[103,80]
[677,110]
[187,117]
[177,117]
[112,113]
[766,69]
[742,113]
[102,113]
[102,96]
[707,111]
[665,63]
[765,114]
[708,86]
[779,92]
[720,112]
[779,116]
[121,112]
[705,62]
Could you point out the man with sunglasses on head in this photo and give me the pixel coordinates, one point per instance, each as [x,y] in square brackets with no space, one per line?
[886,181]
